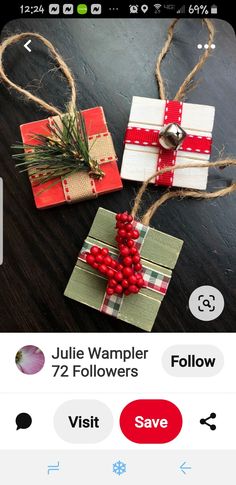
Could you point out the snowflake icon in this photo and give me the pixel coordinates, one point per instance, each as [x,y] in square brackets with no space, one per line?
[119,468]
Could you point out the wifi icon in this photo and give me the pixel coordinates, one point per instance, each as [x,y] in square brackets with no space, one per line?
[157,7]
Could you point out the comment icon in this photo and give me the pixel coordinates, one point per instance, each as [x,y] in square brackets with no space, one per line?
[23,421]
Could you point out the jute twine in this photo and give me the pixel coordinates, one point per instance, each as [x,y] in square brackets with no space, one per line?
[182,193]
[185,87]
[59,61]
[183,90]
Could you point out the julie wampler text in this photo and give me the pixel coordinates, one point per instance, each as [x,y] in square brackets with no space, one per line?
[99,354]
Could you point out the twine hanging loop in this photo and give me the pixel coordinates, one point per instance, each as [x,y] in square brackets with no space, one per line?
[9,41]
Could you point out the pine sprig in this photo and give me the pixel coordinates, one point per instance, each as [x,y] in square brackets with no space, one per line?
[61,153]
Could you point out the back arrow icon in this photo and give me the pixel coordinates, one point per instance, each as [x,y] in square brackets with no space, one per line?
[184,467]
[26,45]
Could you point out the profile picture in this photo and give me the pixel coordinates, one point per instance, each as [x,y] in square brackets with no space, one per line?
[30,359]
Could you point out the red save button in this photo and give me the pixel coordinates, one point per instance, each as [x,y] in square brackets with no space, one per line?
[151,421]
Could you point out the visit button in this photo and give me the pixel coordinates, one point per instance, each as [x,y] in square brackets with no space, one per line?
[151,421]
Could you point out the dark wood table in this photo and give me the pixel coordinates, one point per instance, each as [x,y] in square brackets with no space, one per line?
[113,60]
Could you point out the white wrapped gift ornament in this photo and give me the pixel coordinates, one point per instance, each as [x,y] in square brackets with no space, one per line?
[144,154]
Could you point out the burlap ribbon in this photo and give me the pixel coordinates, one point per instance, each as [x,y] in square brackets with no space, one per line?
[80,185]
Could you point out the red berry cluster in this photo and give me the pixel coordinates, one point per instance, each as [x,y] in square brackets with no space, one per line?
[122,277]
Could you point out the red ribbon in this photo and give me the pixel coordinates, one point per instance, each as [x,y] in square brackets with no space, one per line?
[150,137]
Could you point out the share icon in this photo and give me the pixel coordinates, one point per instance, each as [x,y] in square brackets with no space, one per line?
[205,421]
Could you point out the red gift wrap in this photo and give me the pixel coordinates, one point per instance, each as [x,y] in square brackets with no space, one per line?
[55,192]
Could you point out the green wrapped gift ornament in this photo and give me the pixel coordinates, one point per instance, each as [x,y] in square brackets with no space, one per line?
[159,253]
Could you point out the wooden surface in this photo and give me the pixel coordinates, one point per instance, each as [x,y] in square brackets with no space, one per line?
[112,61]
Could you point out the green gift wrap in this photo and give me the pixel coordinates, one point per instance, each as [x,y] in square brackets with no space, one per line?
[159,253]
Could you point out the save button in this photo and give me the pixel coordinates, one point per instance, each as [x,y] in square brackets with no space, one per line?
[151,421]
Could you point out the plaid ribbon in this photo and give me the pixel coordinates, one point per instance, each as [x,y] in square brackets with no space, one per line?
[154,280]
[166,158]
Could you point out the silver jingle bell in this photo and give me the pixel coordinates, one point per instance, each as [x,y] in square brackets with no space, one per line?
[171,136]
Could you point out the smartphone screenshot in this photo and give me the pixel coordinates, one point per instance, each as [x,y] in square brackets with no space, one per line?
[117,243]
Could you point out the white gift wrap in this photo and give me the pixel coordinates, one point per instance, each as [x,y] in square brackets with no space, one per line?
[140,162]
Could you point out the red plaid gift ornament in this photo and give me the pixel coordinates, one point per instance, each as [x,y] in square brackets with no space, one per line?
[144,153]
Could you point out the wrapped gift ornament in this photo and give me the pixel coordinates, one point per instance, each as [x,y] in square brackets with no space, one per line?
[69,156]
[159,253]
[81,185]
[144,154]
[163,132]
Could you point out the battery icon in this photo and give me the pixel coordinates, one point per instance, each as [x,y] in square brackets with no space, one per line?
[214,10]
